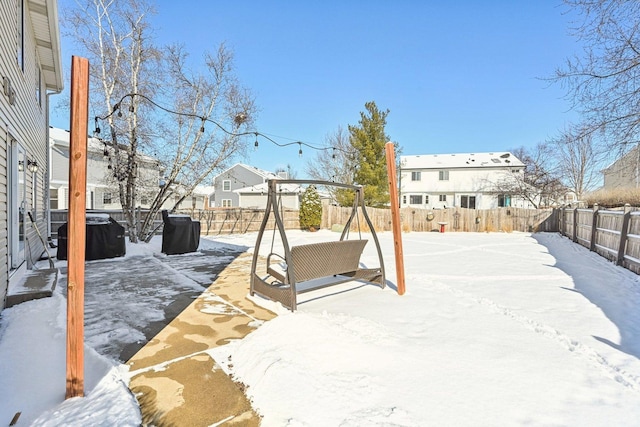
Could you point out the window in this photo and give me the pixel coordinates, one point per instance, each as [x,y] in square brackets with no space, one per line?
[226,185]
[442,198]
[415,176]
[193,202]
[53,198]
[226,203]
[106,198]
[443,175]
[468,202]
[415,199]
[504,200]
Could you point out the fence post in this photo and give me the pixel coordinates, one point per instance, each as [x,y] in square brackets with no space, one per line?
[623,233]
[575,225]
[594,228]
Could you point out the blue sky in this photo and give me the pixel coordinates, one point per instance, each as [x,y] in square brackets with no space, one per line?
[464,76]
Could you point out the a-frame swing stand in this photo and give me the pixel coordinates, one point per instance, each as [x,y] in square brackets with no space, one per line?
[309,267]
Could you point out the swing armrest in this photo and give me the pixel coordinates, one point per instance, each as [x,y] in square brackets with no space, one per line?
[278,273]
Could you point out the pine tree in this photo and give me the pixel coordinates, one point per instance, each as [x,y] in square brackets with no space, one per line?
[368,139]
[310,209]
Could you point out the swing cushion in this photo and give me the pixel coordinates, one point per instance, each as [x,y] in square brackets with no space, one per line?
[324,259]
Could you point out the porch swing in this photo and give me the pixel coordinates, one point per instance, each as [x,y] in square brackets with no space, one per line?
[308,267]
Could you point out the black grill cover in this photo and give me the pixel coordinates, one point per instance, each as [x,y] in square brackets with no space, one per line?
[180,234]
[103,240]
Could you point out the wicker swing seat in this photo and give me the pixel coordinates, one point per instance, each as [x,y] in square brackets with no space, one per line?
[309,267]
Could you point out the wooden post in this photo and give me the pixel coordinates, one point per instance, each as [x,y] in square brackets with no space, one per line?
[575,225]
[76,230]
[594,228]
[395,215]
[624,233]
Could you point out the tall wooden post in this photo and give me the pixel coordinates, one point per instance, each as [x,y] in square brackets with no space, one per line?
[395,214]
[76,224]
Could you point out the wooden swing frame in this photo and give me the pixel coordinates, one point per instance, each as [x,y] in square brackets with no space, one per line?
[318,264]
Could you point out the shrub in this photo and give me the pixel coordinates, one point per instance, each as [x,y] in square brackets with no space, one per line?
[310,209]
[614,198]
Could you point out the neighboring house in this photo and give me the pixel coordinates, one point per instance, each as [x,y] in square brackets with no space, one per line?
[102,189]
[468,180]
[30,71]
[198,199]
[624,172]
[238,177]
[255,197]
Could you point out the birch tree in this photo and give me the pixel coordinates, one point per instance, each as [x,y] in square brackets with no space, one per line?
[132,83]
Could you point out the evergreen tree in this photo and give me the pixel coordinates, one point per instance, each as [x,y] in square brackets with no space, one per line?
[368,140]
[310,209]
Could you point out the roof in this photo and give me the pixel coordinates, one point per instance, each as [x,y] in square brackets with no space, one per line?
[61,137]
[460,160]
[43,15]
[264,189]
[263,173]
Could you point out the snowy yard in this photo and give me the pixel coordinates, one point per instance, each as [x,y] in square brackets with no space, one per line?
[494,329]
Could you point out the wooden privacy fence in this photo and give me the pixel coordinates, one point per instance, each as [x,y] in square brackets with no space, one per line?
[453,219]
[240,220]
[613,234]
[212,222]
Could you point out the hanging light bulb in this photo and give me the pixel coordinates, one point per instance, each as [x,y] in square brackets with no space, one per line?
[300,150]
[256,143]
[333,155]
[202,126]
[131,109]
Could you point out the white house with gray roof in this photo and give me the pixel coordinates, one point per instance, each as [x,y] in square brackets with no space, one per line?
[466,180]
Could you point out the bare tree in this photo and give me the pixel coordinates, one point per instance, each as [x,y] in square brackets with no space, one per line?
[579,159]
[194,143]
[538,183]
[336,162]
[602,83]
[134,81]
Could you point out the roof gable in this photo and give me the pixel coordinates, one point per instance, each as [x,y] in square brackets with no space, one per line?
[257,171]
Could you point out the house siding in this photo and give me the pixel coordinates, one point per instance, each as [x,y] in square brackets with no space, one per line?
[239,176]
[623,173]
[23,123]
[477,182]
[100,180]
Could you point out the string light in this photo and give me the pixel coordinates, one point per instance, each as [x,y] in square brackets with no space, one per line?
[239,119]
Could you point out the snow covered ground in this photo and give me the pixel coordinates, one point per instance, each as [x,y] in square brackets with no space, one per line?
[494,329]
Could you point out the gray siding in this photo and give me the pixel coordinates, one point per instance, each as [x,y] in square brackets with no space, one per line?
[239,176]
[25,122]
